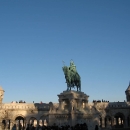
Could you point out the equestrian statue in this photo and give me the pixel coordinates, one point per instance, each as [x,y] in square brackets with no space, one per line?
[72,77]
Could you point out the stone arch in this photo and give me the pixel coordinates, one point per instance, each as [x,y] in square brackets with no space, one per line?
[119,120]
[20,122]
[19,115]
[44,120]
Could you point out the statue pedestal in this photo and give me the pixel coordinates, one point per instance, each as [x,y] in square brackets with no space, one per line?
[72,102]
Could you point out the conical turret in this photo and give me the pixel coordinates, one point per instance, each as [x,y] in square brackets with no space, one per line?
[127,92]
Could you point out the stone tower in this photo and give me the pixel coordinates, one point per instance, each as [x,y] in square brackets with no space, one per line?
[1,94]
[127,92]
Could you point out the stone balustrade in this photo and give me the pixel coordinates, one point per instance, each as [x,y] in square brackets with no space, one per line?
[24,106]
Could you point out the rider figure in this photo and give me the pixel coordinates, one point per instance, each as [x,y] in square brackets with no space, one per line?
[72,67]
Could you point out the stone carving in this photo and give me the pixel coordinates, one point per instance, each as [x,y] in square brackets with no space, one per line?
[72,77]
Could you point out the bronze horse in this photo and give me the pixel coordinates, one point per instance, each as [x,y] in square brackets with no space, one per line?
[72,79]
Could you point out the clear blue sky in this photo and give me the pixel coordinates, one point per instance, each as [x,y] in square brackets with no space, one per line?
[35,36]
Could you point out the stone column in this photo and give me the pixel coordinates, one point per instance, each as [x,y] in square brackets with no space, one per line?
[80,105]
[112,121]
[117,123]
[17,124]
[11,124]
[73,119]
[107,123]
[0,124]
[7,124]
[21,123]
[25,124]
[60,104]
[70,105]
[103,122]
[86,103]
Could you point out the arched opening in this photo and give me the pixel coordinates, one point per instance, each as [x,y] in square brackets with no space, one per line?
[119,120]
[19,121]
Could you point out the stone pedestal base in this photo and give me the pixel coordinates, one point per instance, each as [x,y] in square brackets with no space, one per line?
[72,100]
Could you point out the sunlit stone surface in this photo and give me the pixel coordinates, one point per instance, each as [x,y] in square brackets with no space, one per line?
[73,108]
